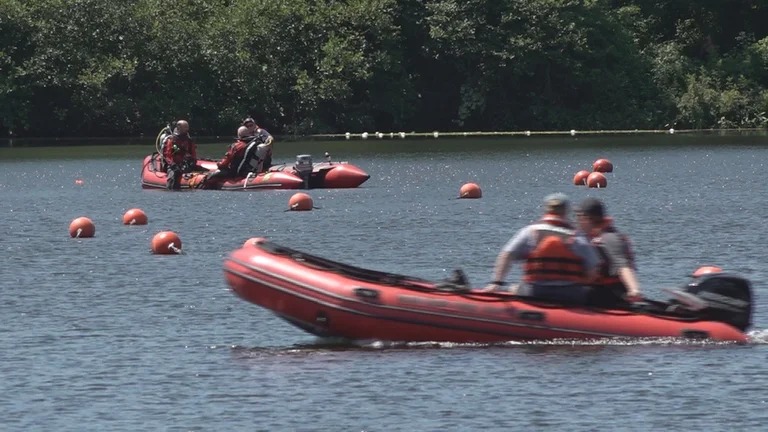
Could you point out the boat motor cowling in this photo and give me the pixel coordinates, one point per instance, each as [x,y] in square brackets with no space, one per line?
[728,298]
[303,168]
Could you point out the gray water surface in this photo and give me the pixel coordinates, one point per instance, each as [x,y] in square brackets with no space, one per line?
[98,334]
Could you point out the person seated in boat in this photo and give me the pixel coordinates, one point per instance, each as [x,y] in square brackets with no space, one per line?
[263,137]
[557,262]
[179,154]
[617,282]
[241,157]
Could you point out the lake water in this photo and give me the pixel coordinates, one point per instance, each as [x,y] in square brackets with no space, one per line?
[98,334]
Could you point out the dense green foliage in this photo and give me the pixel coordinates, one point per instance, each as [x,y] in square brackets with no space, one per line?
[92,67]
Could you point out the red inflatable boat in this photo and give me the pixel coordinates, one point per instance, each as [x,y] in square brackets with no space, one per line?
[302,174]
[327,298]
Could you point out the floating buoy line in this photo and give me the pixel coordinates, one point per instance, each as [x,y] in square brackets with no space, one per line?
[439,134]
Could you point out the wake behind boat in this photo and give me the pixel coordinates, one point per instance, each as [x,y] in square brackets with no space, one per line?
[328,298]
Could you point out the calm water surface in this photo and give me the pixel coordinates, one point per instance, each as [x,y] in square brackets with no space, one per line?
[98,334]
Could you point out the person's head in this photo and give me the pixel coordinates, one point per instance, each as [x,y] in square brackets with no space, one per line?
[556,204]
[182,127]
[250,123]
[590,214]
[243,132]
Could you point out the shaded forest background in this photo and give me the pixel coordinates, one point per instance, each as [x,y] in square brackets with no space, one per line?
[107,67]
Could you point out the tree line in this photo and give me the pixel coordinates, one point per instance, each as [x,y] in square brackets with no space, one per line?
[105,67]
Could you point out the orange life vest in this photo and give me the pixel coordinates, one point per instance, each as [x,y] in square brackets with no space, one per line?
[605,278]
[552,259]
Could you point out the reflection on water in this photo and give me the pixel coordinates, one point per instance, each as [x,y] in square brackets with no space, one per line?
[101,335]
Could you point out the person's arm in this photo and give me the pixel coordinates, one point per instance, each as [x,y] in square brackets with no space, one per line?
[193,150]
[227,159]
[614,246]
[501,268]
[516,247]
[168,151]
[265,137]
[629,278]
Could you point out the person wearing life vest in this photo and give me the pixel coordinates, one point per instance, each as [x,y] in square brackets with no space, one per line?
[239,160]
[179,153]
[617,281]
[558,263]
[264,153]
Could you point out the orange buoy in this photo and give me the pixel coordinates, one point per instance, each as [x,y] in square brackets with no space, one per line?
[580,179]
[79,182]
[603,166]
[300,202]
[135,216]
[470,190]
[707,269]
[82,227]
[254,241]
[597,180]
[166,242]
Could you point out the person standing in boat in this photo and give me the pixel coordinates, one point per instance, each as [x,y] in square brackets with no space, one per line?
[557,262]
[180,154]
[617,281]
[264,154]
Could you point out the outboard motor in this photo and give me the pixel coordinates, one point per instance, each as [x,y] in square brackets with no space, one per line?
[303,168]
[728,298]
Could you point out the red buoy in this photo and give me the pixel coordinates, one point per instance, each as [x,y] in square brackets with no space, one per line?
[580,179]
[254,241]
[166,242]
[602,165]
[82,227]
[707,269]
[470,190]
[79,182]
[300,202]
[597,180]
[135,216]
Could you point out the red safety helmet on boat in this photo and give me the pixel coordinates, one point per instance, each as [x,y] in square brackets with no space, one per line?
[707,269]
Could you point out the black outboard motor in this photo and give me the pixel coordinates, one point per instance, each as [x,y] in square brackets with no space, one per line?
[728,298]
[303,168]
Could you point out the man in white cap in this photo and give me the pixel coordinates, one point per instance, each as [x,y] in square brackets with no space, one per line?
[558,263]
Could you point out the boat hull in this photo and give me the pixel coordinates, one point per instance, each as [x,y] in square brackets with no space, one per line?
[325,298]
[323,175]
[153,177]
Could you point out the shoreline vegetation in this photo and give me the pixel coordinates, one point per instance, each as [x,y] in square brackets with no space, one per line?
[310,69]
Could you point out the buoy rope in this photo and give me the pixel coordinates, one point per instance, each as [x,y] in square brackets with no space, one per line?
[176,250]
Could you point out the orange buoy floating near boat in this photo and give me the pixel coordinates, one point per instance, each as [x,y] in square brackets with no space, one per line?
[470,190]
[580,179]
[602,165]
[135,216]
[254,241]
[82,227]
[165,243]
[597,180]
[300,202]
